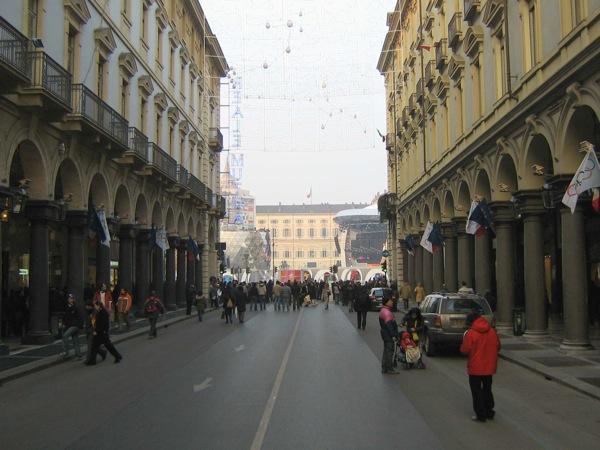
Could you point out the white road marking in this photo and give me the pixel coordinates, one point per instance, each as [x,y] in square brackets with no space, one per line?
[240,348]
[259,437]
[204,385]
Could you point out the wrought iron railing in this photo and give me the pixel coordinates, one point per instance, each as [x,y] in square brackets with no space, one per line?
[138,143]
[100,114]
[13,48]
[455,29]
[183,176]
[162,161]
[50,76]
[470,9]
[441,53]
[197,187]
[215,138]
[429,73]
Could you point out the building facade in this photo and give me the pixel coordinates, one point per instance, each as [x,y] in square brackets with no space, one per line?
[112,105]
[490,99]
[303,236]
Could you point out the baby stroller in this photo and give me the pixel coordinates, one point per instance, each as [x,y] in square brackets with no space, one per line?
[408,353]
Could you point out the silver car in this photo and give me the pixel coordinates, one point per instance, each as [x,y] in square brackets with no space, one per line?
[444,316]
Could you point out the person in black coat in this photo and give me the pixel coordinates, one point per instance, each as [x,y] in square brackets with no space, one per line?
[362,306]
[71,324]
[100,326]
[241,299]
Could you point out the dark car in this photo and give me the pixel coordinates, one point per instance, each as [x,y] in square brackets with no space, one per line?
[377,296]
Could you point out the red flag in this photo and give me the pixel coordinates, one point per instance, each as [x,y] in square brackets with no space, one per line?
[596,199]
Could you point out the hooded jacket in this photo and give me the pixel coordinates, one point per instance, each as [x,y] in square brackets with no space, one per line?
[481,344]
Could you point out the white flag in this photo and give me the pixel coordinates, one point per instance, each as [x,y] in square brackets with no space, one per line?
[472,226]
[425,243]
[586,177]
[102,217]
[161,239]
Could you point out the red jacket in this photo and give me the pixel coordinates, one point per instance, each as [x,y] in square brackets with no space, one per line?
[481,344]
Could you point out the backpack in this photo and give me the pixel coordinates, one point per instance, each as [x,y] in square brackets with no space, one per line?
[151,307]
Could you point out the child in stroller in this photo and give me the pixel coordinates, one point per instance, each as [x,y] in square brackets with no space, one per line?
[409,354]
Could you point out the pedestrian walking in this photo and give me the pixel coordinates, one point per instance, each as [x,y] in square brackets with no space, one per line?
[286,296]
[325,295]
[389,335]
[152,308]
[277,296]
[190,297]
[200,301]
[104,296]
[100,326]
[228,303]
[481,344]
[262,295]
[419,294]
[405,293]
[362,306]
[124,305]
[213,294]
[72,323]
[240,302]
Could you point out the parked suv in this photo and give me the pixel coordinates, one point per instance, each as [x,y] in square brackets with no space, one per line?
[377,295]
[444,316]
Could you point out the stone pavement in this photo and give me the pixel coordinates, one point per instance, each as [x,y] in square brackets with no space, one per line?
[26,359]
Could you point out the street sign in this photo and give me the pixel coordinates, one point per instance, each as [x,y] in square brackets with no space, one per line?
[385,253]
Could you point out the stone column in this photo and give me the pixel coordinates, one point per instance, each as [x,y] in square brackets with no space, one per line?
[142,268]
[532,211]
[404,257]
[40,213]
[170,290]
[483,269]
[190,275]
[427,271]
[102,264]
[158,269]
[411,269]
[574,279]
[450,256]
[418,263]
[464,252]
[198,275]
[438,270]
[127,234]
[505,263]
[77,223]
[180,284]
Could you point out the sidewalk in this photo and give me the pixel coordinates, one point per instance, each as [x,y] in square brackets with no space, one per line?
[24,359]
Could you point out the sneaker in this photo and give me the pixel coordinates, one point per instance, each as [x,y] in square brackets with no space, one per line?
[491,415]
[118,359]
[478,419]
[103,356]
[392,372]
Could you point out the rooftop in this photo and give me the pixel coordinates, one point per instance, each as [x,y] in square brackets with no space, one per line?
[323,208]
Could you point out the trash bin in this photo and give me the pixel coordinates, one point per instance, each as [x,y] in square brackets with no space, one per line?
[518,321]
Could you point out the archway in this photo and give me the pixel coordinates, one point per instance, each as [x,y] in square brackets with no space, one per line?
[506,179]
[181,225]
[482,186]
[463,204]
[538,163]
[123,205]
[582,126]
[27,170]
[141,211]
[157,221]
[98,192]
[448,209]
[67,185]
[436,214]
[170,222]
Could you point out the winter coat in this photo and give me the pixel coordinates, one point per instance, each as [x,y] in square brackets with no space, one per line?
[481,344]
[240,301]
[72,318]
[200,303]
[405,291]
[363,302]
[108,303]
[388,325]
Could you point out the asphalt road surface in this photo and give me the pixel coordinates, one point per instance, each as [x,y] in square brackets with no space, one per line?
[297,380]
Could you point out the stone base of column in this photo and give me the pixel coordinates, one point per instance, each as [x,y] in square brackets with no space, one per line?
[171,307]
[4,349]
[576,346]
[37,338]
[536,335]
[504,328]
[555,325]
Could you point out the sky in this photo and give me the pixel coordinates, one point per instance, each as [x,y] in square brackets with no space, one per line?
[310,97]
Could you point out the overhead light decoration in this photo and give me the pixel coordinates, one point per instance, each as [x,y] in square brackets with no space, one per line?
[288,49]
[267,25]
[290,24]
[265,65]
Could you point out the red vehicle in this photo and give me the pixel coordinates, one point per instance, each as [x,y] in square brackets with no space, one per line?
[290,275]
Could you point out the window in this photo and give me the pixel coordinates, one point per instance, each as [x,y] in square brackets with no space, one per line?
[311,232]
[286,254]
[158,128]
[323,253]
[433,305]
[286,221]
[182,151]
[172,64]
[299,254]
[171,148]
[477,81]
[459,110]
[143,114]
[182,80]
[144,22]
[261,222]
[323,232]
[500,62]
[101,78]
[274,221]
[124,97]
[577,15]
[299,233]
[323,220]
[125,7]
[159,45]
[299,222]
[286,232]
[32,18]
[311,221]
[72,40]
[311,253]
[530,31]
[275,255]
[274,232]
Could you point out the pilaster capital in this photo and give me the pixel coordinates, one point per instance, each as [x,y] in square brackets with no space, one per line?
[42,210]
[76,219]
[448,230]
[173,240]
[530,202]
[504,212]
[143,235]
[127,231]
[460,224]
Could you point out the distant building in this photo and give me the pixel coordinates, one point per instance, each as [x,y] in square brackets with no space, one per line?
[305,236]
[241,206]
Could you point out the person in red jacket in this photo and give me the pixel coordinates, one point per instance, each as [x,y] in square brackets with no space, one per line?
[481,344]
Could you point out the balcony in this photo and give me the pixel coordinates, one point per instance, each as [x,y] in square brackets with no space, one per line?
[222,207]
[161,164]
[412,103]
[420,89]
[429,73]
[197,188]
[92,114]
[215,139]
[183,177]
[455,30]
[14,62]
[441,54]
[405,116]
[137,153]
[471,8]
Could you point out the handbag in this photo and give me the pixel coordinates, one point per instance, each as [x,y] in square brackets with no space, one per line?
[229,303]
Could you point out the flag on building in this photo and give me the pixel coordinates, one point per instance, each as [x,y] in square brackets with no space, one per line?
[587,177]
[436,238]
[106,238]
[159,236]
[596,199]
[480,219]
[410,245]
[94,225]
[193,250]
[309,193]
[425,242]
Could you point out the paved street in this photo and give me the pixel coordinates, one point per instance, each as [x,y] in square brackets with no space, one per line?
[305,380]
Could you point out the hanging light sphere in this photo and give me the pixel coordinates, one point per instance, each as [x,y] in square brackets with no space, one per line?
[330,114]
[341,110]
[300,13]
[267,25]
[323,127]
[288,49]
[301,29]
[265,65]
[355,116]
[324,85]
[290,24]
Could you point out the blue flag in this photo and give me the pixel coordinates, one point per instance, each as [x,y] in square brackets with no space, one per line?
[94,224]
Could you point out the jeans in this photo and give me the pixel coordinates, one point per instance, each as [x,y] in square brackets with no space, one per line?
[387,362]
[361,319]
[153,319]
[200,312]
[483,399]
[73,333]
[278,304]
[241,315]
[125,318]
[228,315]
[262,302]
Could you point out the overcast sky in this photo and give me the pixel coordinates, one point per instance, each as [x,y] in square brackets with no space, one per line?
[310,118]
